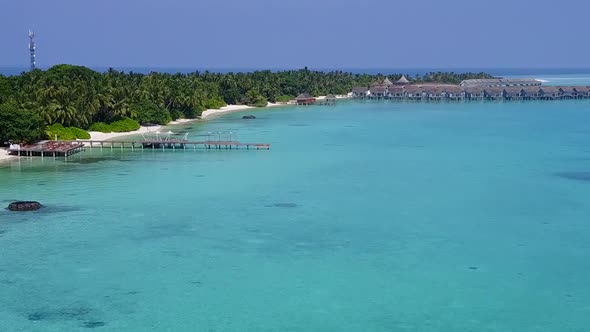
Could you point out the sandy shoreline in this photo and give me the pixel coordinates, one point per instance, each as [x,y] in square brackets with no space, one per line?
[98,136]
[4,156]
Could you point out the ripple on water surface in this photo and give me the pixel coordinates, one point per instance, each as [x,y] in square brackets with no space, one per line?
[363,217]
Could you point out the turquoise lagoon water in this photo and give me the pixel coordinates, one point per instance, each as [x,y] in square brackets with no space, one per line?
[362,217]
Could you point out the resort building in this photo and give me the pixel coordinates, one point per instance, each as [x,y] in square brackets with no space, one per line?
[472,89]
[448,92]
[360,92]
[378,91]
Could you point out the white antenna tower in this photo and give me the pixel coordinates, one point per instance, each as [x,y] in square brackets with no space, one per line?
[32,49]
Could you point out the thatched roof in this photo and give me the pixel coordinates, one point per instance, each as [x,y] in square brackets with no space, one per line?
[387,82]
[304,95]
[330,96]
[403,80]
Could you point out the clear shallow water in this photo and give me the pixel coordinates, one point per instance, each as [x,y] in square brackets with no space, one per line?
[362,217]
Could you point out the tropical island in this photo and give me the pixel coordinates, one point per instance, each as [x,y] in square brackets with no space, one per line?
[67,101]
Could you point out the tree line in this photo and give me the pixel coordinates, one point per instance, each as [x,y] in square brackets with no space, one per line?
[78,97]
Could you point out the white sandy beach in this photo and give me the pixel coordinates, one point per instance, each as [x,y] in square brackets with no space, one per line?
[234,108]
[98,136]
[225,109]
[4,154]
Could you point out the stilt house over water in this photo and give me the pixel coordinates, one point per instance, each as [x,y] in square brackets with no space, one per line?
[305,99]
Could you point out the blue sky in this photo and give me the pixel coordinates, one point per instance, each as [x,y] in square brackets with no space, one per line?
[296,33]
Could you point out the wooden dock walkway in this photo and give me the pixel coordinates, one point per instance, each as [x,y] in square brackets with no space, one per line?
[68,148]
[175,144]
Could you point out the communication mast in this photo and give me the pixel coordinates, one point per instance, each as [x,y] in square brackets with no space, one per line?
[32,49]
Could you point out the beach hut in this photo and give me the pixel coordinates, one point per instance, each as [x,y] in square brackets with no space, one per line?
[305,99]
[330,100]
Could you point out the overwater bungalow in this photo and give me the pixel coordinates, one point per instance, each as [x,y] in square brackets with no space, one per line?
[360,92]
[305,99]
[488,89]
[395,92]
[330,100]
[377,92]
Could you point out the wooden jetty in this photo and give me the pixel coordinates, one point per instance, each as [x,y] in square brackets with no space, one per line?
[68,148]
[175,144]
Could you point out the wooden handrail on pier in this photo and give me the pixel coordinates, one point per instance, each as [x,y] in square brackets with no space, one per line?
[68,148]
[175,144]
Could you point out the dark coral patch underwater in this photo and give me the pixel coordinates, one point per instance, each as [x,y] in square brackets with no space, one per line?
[578,176]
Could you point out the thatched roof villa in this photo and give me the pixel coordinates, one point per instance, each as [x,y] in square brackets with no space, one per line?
[305,99]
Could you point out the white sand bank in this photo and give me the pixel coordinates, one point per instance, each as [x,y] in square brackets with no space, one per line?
[225,109]
[98,136]
[4,154]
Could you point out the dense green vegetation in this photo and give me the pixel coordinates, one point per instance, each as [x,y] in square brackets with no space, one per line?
[77,97]
[452,78]
[60,132]
[120,126]
[18,124]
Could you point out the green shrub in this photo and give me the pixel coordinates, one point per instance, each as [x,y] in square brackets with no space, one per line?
[65,133]
[254,98]
[215,103]
[284,98]
[80,133]
[124,125]
[261,103]
[176,114]
[120,126]
[101,127]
